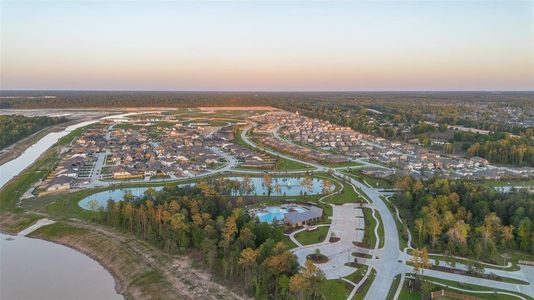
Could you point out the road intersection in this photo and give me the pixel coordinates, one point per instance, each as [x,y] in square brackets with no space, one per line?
[388,261]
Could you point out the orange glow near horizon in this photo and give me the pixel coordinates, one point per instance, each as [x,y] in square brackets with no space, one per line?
[238,46]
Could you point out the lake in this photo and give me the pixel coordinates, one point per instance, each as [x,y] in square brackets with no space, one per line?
[288,186]
[37,269]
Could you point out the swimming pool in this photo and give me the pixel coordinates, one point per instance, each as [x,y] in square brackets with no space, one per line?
[269,214]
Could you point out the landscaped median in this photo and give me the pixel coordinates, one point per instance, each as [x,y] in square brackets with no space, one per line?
[338,289]
[369,239]
[402,228]
[436,284]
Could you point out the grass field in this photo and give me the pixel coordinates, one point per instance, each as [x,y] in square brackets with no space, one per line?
[312,237]
[347,195]
[371,181]
[406,294]
[335,289]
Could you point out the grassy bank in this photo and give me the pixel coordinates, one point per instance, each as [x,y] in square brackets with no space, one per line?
[15,188]
[14,222]
[140,270]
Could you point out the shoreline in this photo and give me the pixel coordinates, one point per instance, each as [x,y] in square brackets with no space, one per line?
[118,285]
[139,270]
[15,150]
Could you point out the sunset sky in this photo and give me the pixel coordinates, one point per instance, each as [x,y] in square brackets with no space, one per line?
[282,46]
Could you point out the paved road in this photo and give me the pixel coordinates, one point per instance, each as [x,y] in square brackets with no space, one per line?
[96,182]
[391,260]
[348,225]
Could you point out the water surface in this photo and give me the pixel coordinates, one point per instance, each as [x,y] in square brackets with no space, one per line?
[13,167]
[37,269]
[280,186]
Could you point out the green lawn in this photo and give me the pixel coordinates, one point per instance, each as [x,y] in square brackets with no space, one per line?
[335,289]
[357,275]
[57,230]
[394,287]
[290,165]
[514,266]
[362,291]
[289,242]
[347,195]
[370,223]
[312,237]
[381,234]
[13,190]
[403,242]
[345,164]
[372,181]
[369,238]
[512,182]
[14,222]
[406,294]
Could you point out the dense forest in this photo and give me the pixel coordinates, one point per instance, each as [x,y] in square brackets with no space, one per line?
[501,148]
[14,127]
[201,220]
[466,218]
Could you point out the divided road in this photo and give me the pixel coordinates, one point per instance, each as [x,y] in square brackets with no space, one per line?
[390,260]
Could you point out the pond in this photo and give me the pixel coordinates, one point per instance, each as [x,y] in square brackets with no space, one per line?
[37,269]
[280,186]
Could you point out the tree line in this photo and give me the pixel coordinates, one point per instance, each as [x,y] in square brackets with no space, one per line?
[465,218]
[15,127]
[232,244]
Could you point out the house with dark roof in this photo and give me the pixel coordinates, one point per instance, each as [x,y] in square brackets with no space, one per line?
[309,215]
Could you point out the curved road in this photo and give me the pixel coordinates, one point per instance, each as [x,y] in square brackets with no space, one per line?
[389,261]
